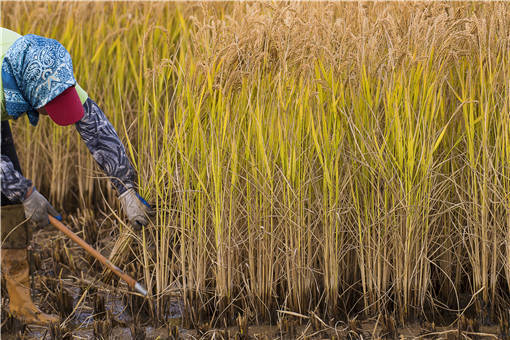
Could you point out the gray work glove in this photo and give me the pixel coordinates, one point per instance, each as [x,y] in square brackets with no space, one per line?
[135,207]
[37,209]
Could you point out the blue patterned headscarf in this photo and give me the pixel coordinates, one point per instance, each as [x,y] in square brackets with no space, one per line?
[35,70]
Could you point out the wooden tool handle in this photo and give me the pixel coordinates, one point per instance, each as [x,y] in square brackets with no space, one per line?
[63,228]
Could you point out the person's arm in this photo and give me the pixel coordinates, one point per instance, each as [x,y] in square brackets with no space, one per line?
[14,185]
[105,146]
[19,189]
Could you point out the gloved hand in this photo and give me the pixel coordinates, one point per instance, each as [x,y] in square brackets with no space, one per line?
[135,207]
[37,208]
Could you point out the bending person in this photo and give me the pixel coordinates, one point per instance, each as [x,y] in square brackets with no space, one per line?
[37,79]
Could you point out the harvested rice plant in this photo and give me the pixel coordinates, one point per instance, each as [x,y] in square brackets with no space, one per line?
[314,163]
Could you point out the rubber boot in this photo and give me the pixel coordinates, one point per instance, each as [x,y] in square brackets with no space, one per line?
[16,271]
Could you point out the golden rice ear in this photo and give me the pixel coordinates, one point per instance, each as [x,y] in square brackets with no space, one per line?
[347,158]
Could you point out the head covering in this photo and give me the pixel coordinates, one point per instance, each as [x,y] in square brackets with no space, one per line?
[35,71]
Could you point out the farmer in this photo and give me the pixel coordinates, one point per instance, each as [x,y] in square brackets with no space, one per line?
[37,79]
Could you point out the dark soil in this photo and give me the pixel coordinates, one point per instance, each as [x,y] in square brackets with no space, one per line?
[68,282]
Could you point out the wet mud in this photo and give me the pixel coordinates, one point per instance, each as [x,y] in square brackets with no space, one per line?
[68,282]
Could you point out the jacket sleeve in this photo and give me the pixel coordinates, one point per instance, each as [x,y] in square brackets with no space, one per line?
[14,185]
[105,146]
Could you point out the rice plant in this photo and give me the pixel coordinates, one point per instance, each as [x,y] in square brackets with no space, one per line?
[335,158]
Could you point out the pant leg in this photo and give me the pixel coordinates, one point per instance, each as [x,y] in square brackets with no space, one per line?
[15,231]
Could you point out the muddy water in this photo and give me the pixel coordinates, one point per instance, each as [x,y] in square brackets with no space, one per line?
[78,280]
[80,323]
[65,283]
